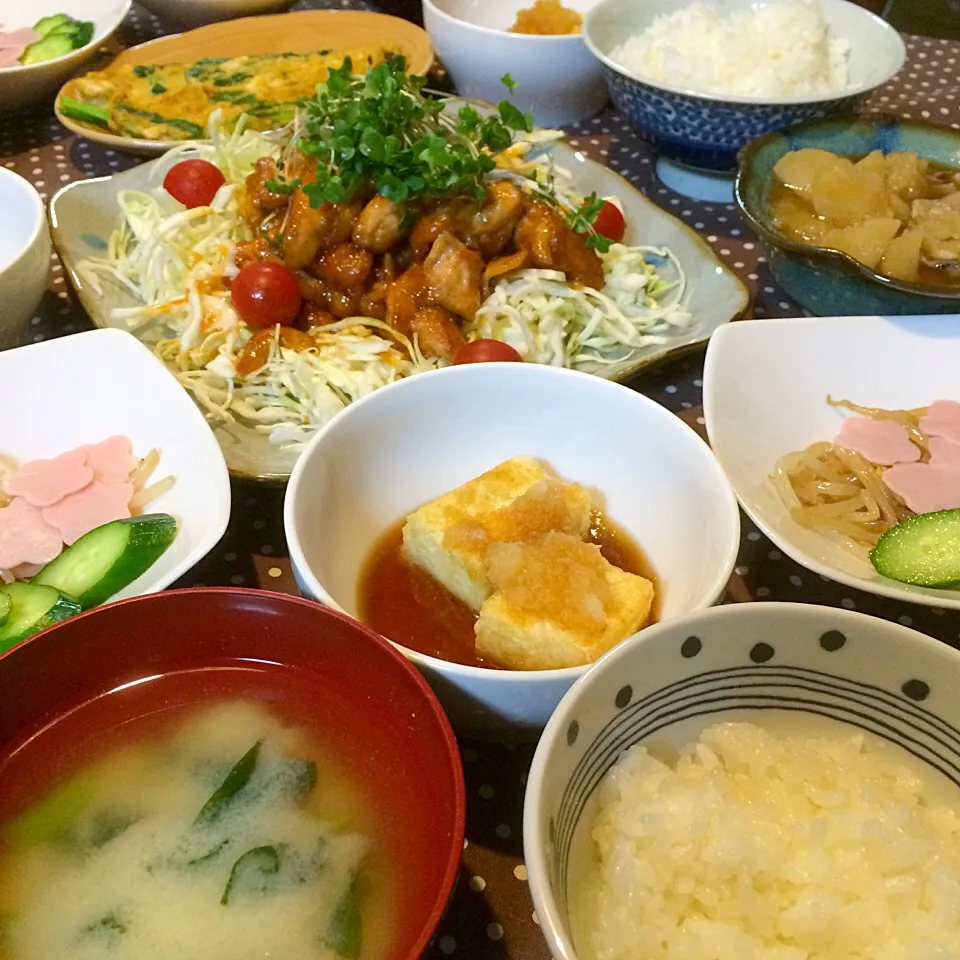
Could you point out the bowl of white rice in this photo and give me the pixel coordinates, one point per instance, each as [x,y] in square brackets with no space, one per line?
[701,79]
[761,781]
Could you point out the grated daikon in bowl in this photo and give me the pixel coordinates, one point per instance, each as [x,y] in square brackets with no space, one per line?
[783,48]
[754,846]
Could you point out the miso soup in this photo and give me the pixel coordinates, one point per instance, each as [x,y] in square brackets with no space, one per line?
[215,833]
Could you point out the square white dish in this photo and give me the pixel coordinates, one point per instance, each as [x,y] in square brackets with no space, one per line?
[765,386]
[81,389]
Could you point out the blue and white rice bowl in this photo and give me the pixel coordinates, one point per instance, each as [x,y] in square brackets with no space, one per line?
[705,131]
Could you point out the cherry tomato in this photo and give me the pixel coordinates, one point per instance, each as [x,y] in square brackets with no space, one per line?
[610,222]
[193,182]
[486,351]
[266,293]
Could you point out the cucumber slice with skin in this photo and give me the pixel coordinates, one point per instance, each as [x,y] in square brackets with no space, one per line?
[6,605]
[46,25]
[923,551]
[49,48]
[33,608]
[109,558]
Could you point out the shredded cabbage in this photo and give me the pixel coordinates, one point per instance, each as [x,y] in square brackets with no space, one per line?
[174,264]
[548,321]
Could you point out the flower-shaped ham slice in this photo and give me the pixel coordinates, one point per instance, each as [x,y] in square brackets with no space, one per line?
[943,420]
[95,505]
[879,441]
[111,460]
[45,482]
[25,537]
[925,487]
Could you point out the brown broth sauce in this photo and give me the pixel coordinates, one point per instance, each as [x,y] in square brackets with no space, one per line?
[405,604]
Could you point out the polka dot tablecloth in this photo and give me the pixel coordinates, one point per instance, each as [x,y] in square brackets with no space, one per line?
[491,915]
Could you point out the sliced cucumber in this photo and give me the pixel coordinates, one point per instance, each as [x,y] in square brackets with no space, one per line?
[924,550]
[6,605]
[33,608]
[46,25]
[50,47]
[109,558]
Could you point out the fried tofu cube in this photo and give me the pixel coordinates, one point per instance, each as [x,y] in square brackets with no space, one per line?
[557,603]
[515,501]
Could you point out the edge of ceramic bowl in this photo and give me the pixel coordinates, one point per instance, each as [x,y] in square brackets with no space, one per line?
[39,213]
[745,101]
[74,56]
[880,586]
[534,830]
[452,866]
[435,664]
[771,236]
[541,39]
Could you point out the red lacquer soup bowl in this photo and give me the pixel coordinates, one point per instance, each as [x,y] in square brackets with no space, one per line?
[125,672]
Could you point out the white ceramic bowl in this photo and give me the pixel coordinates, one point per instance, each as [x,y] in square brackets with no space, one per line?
[706,130]
[195,13]
[787,666]
[24,256]
[90,386]
[21,86]
[417,439]
[557,77]
[765,385]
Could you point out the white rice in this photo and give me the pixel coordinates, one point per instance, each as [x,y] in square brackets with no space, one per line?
[758,847]
[783,48]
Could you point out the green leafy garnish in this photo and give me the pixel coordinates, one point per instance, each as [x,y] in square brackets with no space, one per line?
[583,219]
[379,130]
[157,89]
[238,777]
[344,936]
[509,82]
[252,871]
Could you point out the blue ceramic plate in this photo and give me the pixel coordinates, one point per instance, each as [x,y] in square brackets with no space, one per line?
[827,282]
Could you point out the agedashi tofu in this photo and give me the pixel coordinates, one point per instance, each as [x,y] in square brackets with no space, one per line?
[557,603]
[515,501]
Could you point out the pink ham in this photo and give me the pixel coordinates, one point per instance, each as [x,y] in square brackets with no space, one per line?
[925,487]
[944,453]
[879,441]
[14,43]
[25,537]
[111,460]
[45,482]
[95,505]
[943,420]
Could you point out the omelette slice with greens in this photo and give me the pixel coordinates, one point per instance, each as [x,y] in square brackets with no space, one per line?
[174,101]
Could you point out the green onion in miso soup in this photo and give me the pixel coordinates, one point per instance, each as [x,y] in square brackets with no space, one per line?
[232,838]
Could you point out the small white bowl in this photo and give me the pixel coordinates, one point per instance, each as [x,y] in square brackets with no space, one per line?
[557,77]
[765,387]
[196,13]
[90,386]
[24,256]
[783,665]
[415,440]
[22,85]
[705,130]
